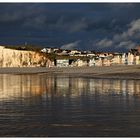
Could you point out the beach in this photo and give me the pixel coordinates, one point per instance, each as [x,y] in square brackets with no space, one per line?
[113,72]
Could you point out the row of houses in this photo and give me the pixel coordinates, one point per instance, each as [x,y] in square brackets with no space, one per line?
[97,59]
[117,59]
[59,51]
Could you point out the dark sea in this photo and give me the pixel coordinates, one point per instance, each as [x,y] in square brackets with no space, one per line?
[43,105]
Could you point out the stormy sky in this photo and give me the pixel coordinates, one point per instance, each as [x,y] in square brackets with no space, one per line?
[85,26]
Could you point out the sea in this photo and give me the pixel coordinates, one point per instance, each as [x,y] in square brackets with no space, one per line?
[53,105]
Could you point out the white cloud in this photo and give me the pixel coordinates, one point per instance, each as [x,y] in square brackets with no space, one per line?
[104,43]
[132,31]
[135,27]
[124,39]
[126,44]
[72,45]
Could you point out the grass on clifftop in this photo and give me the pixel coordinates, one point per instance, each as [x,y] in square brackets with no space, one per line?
[24,47]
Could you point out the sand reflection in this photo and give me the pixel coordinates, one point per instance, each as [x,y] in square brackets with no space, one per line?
[24,86]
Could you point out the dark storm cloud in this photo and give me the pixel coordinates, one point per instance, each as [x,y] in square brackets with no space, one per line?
[111,26]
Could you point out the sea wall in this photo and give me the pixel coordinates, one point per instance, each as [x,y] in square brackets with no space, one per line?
[22,58]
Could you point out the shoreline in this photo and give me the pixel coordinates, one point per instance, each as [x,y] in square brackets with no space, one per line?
[104,72]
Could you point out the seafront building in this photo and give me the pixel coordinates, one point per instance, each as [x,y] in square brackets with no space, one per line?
[132,57]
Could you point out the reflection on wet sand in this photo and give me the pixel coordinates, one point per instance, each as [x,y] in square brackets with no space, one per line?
[23,86]
[12,86]
[54,105]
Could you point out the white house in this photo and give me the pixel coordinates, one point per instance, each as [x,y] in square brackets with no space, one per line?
[124,58]
[98,62]
[137,58]
[62,62]
[44,50]
[74,52]
[80,63]
[106,61]
[116,60]
[130,59]
[92,62]
[47,50]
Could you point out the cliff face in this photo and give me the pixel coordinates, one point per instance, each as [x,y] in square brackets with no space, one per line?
[20,58]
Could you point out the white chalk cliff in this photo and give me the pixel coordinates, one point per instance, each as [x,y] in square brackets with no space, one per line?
[22,58]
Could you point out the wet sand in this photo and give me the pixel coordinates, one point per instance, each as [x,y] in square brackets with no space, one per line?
[117,72]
